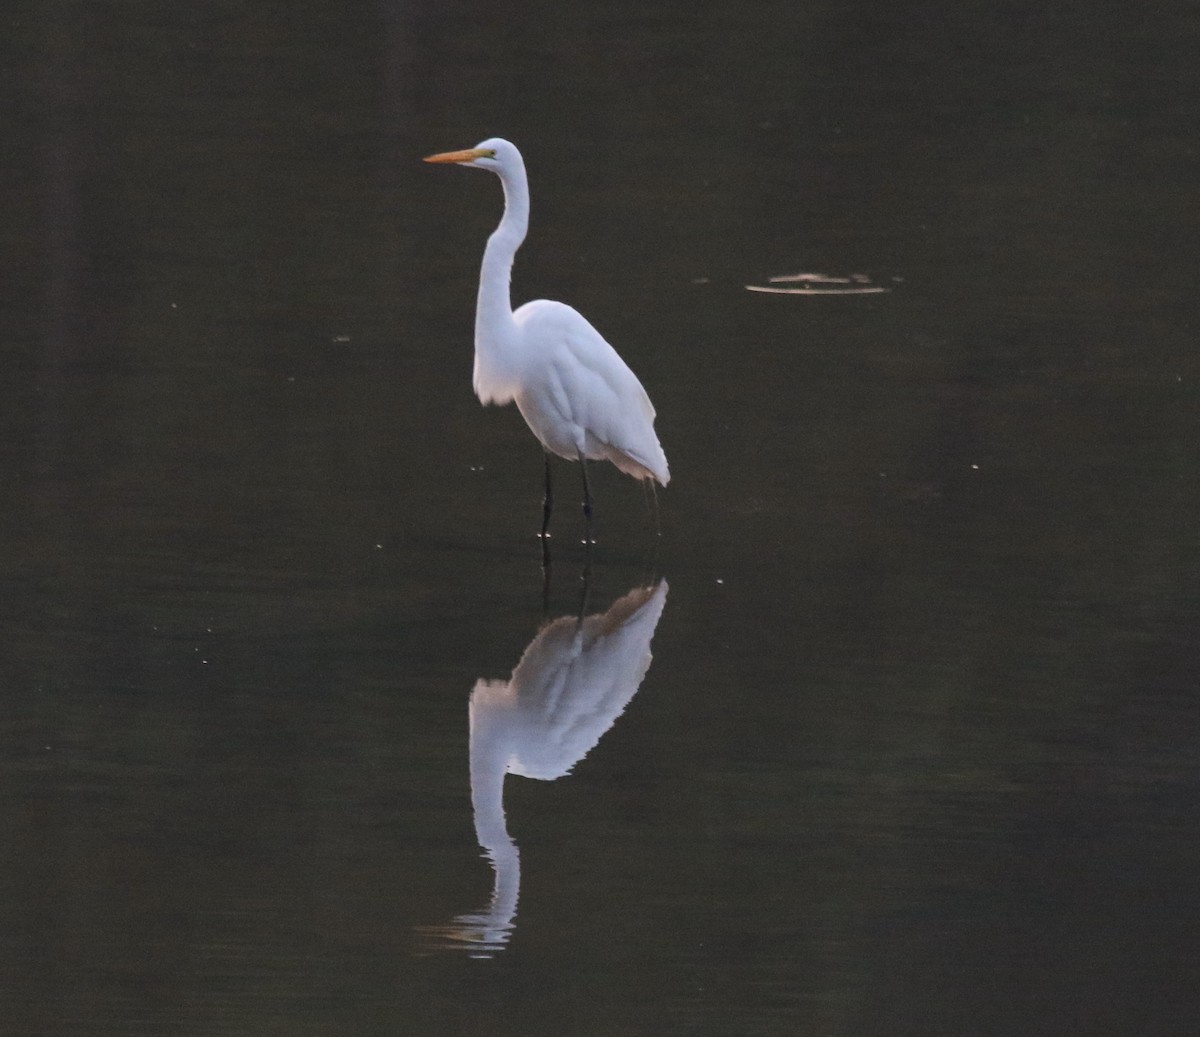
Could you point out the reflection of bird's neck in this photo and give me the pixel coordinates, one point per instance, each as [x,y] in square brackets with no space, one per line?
[495,304]
[490,712]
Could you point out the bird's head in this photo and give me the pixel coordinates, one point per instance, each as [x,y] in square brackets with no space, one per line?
[494,154]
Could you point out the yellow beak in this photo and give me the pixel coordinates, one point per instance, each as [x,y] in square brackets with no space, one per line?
[460,156]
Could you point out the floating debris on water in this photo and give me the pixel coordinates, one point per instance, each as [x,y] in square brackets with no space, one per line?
[818,284]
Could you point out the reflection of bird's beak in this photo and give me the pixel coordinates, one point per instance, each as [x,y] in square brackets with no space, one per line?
[470,155]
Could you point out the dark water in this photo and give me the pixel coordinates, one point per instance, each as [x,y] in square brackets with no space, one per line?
[917,749]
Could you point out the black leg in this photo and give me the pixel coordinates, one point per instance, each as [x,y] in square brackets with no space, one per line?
[587,503]
[547,504]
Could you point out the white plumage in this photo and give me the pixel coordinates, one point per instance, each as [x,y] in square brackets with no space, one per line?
[579,398]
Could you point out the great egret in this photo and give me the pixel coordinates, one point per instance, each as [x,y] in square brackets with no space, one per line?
[575,393]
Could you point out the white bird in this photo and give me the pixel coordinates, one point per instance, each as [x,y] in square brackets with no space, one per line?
[575,393]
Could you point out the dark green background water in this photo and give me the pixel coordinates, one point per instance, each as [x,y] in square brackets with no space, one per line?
[917,752]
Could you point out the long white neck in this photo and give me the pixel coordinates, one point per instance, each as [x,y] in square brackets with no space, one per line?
[494,308]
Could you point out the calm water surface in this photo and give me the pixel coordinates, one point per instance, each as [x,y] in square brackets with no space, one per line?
[909,745]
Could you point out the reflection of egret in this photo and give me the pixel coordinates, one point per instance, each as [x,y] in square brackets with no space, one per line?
[576,394]
[574,680]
